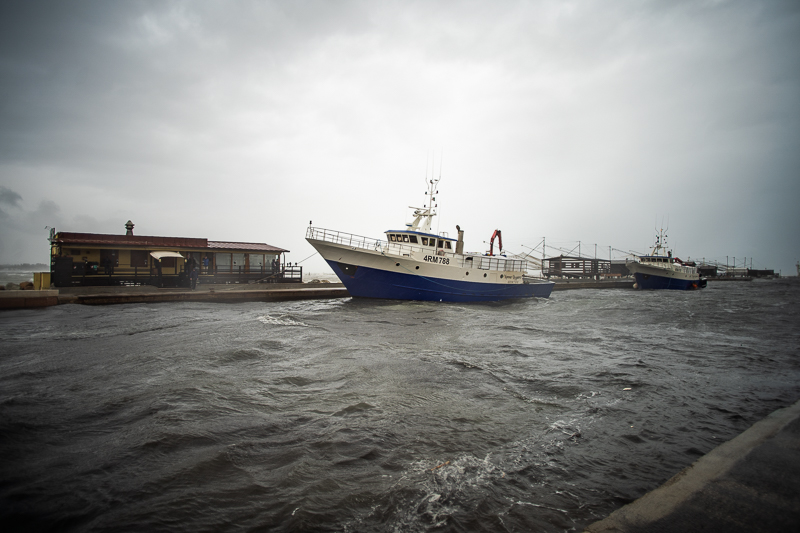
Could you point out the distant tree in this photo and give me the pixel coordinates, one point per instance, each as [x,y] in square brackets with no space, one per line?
[26,266]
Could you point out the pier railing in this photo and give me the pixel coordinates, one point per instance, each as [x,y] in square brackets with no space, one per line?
[480,262]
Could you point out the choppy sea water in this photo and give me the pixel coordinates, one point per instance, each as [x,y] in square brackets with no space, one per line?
[348,415]
[15,276]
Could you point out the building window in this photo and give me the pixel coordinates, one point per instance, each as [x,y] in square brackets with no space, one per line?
[238,263]
[223,262]
[193,259]
[109,257]
[139,258]
[256,262]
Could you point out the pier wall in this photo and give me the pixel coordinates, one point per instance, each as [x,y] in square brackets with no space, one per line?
[565,285]
[126,295]
[25,299]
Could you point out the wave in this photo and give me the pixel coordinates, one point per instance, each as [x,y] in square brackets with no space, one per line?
[281,320]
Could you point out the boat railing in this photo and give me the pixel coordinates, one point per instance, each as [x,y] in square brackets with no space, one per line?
[348,239]
[488,262]
[480,262]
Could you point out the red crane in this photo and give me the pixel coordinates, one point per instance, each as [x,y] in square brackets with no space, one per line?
[499,242]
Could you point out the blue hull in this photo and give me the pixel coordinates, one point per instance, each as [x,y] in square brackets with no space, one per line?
[649,281]
[373,283]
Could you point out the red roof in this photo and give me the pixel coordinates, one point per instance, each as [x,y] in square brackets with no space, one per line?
[260,246]
[76,239]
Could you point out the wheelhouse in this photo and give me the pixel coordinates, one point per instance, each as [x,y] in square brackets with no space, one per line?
[426,240]
[655,259]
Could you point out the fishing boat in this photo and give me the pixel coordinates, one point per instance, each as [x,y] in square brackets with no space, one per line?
[414,263]
[660,270]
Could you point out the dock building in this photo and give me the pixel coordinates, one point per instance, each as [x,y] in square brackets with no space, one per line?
[105,259]
[565,266]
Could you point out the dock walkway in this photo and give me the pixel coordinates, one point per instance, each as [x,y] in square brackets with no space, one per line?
[747,485]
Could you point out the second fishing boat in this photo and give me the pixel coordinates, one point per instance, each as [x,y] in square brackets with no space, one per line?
[660,270]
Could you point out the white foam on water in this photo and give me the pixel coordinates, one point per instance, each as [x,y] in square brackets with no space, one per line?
[281,320]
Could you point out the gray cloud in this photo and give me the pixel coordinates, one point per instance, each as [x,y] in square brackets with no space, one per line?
[9,197]
[242,121]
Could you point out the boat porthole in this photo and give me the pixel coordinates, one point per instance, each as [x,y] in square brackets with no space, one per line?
[467,273]
[397,264]
[484,275]
[417,267]
[501,276]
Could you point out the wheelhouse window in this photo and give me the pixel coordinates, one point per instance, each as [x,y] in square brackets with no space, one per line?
[405,238]
[392,238]
[413,239]
[447,245]
[424,241]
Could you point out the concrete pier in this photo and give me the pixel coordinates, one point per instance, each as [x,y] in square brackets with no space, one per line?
[565,285]
[147,294]
[27,299]
[223,293]
[746,485]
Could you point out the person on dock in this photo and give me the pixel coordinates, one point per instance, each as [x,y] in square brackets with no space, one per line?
[193,276]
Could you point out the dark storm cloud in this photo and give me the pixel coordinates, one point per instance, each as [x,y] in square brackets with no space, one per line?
[9,197]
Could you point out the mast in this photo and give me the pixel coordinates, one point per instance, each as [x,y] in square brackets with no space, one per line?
[423,216]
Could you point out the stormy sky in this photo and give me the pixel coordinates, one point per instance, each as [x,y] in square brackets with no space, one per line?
[590,121]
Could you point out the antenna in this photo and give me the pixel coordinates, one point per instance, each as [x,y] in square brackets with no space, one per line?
[427,158]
